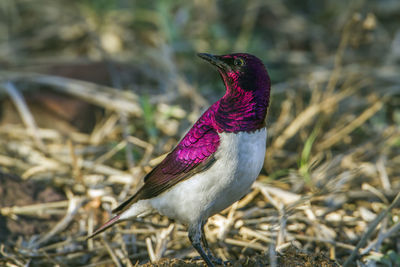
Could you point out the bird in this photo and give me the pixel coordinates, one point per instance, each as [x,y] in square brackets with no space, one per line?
[216,162]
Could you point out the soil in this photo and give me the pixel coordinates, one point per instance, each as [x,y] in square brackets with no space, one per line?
[16,192]
[292,257]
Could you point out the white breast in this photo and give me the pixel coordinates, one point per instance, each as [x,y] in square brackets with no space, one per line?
[239,159]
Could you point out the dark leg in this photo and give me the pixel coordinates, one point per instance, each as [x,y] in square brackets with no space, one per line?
[195,237]
[205,245]
[204,240]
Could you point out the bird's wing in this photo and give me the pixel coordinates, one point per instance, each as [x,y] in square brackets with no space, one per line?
[194,154]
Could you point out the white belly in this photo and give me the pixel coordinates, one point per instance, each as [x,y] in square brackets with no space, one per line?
[239,160]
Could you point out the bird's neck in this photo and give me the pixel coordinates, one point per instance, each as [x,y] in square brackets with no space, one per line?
[241,111]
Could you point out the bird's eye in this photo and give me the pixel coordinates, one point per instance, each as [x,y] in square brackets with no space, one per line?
[238,62]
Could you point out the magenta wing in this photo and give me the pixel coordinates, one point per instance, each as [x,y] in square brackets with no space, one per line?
[193,154]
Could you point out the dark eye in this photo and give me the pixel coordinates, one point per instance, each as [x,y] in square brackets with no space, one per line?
[238,62]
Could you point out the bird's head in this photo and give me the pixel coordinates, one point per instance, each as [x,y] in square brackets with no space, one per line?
[245,103]
[241,72]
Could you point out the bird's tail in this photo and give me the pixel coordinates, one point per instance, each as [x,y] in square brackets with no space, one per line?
[138,209]
[105,226]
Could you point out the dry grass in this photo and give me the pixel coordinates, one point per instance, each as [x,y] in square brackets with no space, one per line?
[330,185]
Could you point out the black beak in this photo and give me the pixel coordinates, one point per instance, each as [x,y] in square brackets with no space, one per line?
[215,60]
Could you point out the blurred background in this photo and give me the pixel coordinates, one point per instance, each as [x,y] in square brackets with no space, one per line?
[94,92]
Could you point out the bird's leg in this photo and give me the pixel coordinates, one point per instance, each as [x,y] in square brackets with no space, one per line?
[195,237]
[204,240]
[205,245]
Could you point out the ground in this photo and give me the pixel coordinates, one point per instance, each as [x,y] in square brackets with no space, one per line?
[94,93]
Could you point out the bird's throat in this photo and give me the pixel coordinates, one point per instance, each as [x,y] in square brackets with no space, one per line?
[240,111]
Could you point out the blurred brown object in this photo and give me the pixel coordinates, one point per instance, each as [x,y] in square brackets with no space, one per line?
[53,110]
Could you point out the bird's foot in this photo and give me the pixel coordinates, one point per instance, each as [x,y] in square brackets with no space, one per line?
[218,261]
[197,258]
[208,261]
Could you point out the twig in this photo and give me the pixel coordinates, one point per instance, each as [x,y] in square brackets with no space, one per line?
[282,227]
[286,197]
[392,230]
[273,258]
[149,148]
[247,231]
[380,165]
[162,241]
[104,96]
[150,250]
[10,256]
[76,167]
[371,229]
[321,240]
[74,205]
[42,208]
[376,192]
[121,145]
[305,117]
[245,244]
[112,253]
[248,198]
[90,165]
[105,128]
[25,114]
[340,134]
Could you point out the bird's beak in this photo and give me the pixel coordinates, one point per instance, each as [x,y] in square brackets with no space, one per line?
[215,60]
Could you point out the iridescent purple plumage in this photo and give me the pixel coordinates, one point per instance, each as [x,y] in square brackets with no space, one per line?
[220,156]
[244,105]
[193,154]
[242,108]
